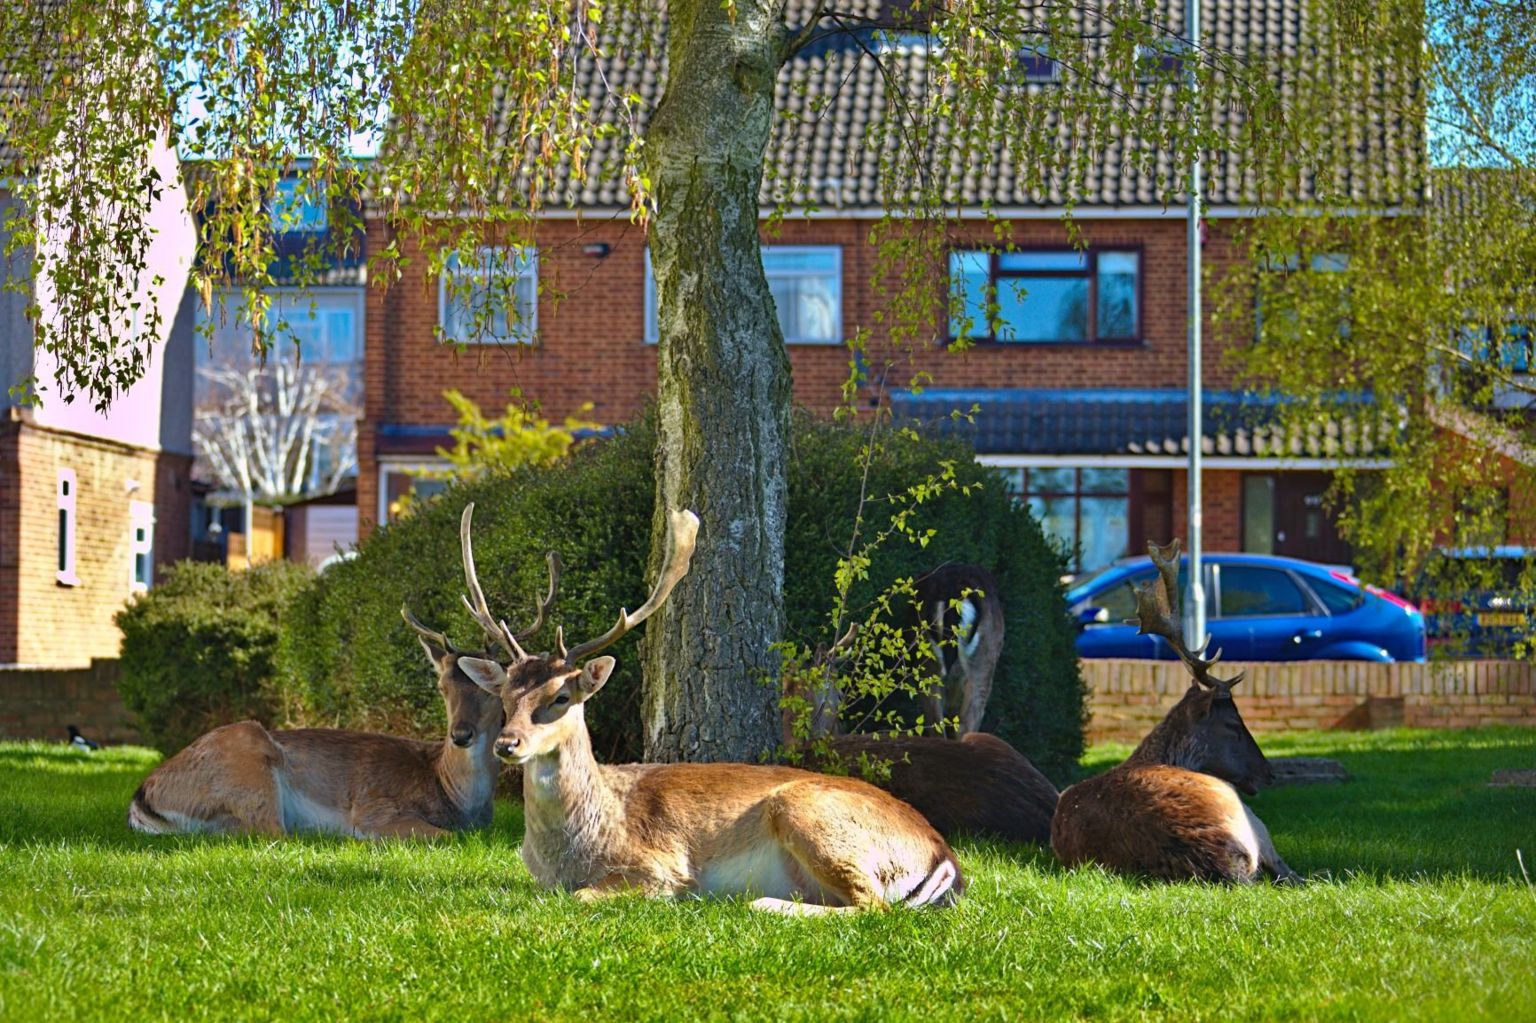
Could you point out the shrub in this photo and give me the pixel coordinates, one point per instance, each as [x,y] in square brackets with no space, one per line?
[347,657]
[199,649]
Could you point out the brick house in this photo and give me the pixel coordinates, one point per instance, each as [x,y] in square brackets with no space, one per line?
[93,505]
[315,328]
[1079,384]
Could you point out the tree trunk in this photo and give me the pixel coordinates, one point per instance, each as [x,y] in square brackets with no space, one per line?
[724,389]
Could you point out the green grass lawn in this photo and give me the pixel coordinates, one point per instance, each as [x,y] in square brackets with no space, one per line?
[1422,913]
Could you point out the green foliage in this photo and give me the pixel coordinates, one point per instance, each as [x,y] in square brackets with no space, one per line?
[1420,913]
[346,656]
[199,649]
[517,437]
[939,506]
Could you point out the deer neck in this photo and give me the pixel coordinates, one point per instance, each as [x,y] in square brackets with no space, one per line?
[1168,743]
[570,812]
[468,776]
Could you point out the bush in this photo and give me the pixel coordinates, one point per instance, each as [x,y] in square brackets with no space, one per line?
[347,657]
[199,650]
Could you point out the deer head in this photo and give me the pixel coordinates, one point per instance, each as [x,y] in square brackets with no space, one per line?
[542,695]
[472,712]
[1204,731]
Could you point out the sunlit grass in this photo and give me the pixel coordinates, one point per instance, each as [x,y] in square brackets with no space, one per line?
[1423,914]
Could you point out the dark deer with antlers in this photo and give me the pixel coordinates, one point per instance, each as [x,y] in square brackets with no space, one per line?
[976,784]
[1171,810]
[792,840]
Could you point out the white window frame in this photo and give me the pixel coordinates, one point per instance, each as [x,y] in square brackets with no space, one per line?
[526,329]
[652,325]
[141,515]
[389,465]
[67,490]
[309,211]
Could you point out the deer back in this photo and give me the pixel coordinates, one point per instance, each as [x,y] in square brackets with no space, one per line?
[977,784]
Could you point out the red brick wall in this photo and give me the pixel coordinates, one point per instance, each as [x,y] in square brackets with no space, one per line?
[40,703]
[45,622]
[1126,698]
[591,329]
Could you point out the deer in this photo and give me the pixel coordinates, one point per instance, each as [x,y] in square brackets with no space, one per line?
[790,841]
[1171,810]
[962,617]
[246,779]
[975,784]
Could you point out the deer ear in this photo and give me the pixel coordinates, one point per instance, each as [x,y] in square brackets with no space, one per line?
[435,653]
[486,674]
[594,674]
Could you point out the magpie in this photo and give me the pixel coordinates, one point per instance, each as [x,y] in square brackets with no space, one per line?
[79,741]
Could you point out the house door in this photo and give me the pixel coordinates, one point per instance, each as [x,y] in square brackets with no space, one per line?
[1285,513]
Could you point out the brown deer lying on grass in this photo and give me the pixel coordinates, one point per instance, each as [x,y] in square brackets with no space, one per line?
[1170,810]
[245,778]
[795,841]
[976,784]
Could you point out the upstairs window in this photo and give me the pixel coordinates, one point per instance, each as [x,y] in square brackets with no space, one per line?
[1048,296]
[1294,291]
[65,501]
[298,208]
[489,297]
[807,286]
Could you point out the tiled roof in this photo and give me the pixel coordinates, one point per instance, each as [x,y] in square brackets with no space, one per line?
[828,143]
[1120,422]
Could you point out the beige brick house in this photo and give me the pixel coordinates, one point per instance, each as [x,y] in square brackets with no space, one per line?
[93,504]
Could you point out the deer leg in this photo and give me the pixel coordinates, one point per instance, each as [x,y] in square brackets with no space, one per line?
[816,831]
[243,791]
[399,827]
[1269,859]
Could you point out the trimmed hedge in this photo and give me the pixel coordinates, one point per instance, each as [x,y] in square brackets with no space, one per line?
[346,657]
[199,650]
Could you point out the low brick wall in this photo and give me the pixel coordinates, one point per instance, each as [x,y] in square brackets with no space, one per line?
[1126,698]
[38,703]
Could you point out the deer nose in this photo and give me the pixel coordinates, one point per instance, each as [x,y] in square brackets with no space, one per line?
[507,746]
[462,735]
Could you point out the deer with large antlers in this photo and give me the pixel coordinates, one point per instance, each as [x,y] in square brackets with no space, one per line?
[793,841]
[1171,810]
[245,778]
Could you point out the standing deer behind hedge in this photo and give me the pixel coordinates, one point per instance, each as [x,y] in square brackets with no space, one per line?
[794,841]
[962,620]
[244,778]
[1171,810]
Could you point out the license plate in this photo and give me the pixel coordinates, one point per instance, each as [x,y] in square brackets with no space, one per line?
[1507,619]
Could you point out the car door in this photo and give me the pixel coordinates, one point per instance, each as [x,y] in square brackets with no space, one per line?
[1110,636]
[1264,615]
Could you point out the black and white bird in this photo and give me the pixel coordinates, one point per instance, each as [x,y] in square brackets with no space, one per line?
[79,741]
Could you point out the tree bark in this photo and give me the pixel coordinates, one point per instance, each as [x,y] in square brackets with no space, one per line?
[724,389]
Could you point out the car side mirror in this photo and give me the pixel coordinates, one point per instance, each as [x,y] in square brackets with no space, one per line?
[1092,616]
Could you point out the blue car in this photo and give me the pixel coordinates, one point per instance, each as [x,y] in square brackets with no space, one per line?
[1259,608]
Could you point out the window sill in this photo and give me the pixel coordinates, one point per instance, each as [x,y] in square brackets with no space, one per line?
[66,579]
[989,343]
[495,342]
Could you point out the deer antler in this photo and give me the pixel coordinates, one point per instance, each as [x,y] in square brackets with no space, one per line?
[430,635]
[683,530]
[496,631]
[1157,614]
[555,568]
